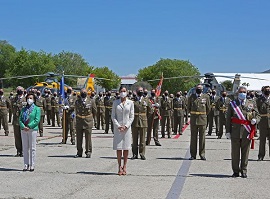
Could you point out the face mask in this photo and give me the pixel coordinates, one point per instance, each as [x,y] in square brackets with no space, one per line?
[145,94]
[267,92]
[69,91]
[11,94]
[100,95]
[140,93]
[213,93]
[54,95]
[198,91]
[30,101]
[166,94]
[242,96]
[109,94]
[38,94]
[1,93]
[19,92]
[177,95]
[83,95]
[92,95]
[123,94]
[223,95]
[153,94]
[251,96]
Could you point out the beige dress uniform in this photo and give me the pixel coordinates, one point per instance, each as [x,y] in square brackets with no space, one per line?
[239,141]
[4,106]
[198,107]
[122,115]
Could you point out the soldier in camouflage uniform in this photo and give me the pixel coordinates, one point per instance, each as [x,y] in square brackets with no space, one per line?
[41,103]
[100,111]
[108,102]
[55,109]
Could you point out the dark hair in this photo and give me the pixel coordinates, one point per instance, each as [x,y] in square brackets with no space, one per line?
[34,97]
[121,87]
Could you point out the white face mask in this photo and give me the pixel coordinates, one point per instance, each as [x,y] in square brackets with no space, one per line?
[30,101]
[123,94]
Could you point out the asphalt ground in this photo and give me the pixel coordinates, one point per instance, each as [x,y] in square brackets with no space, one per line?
[166,172]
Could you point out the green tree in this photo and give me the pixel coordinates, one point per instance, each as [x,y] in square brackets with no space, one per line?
[71,64]
[227,84]
[30,63]
[170,68]
[111,80]
[7,57]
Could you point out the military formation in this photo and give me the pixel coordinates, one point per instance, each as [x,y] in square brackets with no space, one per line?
[79,113]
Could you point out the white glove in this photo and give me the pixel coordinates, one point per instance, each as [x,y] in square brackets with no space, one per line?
[253,121]
[66,107]
[228,136]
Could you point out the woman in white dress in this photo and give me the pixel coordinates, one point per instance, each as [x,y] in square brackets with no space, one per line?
[122,117]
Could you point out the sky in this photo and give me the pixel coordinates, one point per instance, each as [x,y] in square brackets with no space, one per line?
[128,35]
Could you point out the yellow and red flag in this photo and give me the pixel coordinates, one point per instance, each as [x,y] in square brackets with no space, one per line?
[158,88]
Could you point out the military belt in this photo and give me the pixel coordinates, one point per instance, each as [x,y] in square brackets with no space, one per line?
[83,116]
[108,107]
[101,106]
[3,107]
[177,108]
[139,113]
[223,109]
[265,115]
[55,106]
[197,113]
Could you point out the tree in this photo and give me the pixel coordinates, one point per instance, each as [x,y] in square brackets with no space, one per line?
[104,72]
[170,68]
[71,64]
[7,56]
[227,84]
[30,63]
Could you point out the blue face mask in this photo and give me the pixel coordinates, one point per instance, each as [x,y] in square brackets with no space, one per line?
[242,96]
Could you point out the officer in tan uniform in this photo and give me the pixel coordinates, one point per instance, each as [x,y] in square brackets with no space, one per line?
[41,103]
[69,116]
[171,96]
[263,104]
[198,107]
[11,97]
[236,131]
[108,102]
[139,125]
[186,111]
[100,111]
[166,113]
[213,114]
[48,99]
[18,103]
[55,109]
[179,105]
[4,106]
[85,107]
[153,118]
[222,105]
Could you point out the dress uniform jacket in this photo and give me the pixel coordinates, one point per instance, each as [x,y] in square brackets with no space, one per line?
[238,132]
[198,107]
[85,109]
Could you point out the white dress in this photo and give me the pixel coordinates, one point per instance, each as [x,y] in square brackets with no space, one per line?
[122,115]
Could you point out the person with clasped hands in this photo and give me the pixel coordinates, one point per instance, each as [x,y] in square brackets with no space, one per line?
[242,114]
[122,117]
[29,120]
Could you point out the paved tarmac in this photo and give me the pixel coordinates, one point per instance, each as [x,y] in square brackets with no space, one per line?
[166,172]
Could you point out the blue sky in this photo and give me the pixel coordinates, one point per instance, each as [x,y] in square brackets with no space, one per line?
[214,35]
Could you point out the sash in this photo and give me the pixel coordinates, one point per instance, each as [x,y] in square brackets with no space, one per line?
[242,120]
